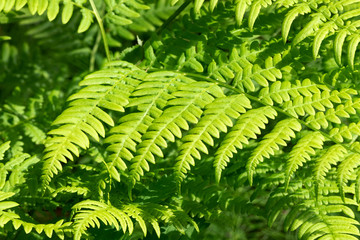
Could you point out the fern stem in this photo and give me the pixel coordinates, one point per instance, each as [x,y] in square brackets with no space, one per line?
[102,29]
[173,16]
[94,51]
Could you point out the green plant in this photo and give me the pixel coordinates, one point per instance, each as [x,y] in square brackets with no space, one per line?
[204,120]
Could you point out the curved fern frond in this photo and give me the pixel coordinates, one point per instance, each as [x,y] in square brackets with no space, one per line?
[319,225]
[105,89]
[246,127]
[13,171]
[186,107]
[150,97]
[3,148]
[345,171]
[216,118]
[301,153]
[332,156]
[283,131]
[90,213]
[326,217]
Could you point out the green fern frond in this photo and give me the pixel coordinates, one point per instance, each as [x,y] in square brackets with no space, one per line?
[301,153]
[345,171]
[34,132]
[12,172]
[314,225]
[283,131]
[216,118]
[246,127]
[333,115]
[283,91]
[331,156]
[83,191]
[326,20]
[89,213]
[150,97]
[300,105]
[201,86]
[48,229]
[3,148]
[106,89]
[325,218]
[244,71]
[186,107]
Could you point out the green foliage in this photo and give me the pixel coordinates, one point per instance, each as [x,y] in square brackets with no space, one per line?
[179,119]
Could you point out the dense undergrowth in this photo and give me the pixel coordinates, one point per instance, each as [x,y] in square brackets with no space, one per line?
[130,119]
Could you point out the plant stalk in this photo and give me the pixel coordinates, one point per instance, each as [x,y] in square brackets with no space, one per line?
[173,16]
[102,29]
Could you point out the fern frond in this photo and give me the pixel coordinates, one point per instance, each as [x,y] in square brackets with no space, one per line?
[246,127]
[13,170]
[301,153]
[283,131]
[332,156]
[306,105]
[83,191]
[238,65]
[326,217]
[150,97]
[105,89]
[283,91]
[319,225]
[322,120]
[243,70]
[3,148]
[34,132]
[345,171]
[89,213]
[186,107]
[216,118]
[48,229]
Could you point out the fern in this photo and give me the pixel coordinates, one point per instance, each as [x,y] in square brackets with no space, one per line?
[141,119]
[247,126]
[84,117]
[284,130]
